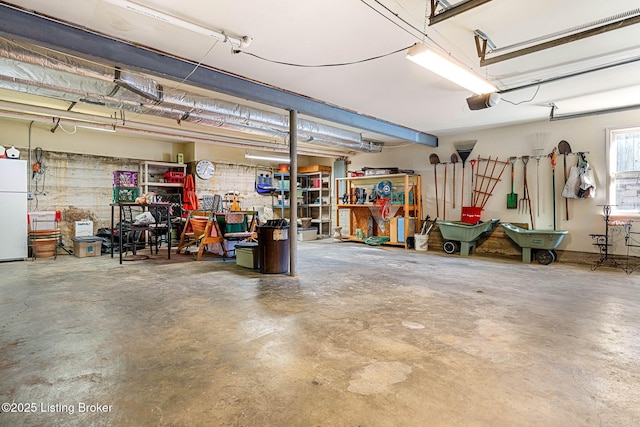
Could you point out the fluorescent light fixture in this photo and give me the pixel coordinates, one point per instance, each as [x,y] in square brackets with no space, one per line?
[240,42]
[270,157]
[434,62]
[105,128]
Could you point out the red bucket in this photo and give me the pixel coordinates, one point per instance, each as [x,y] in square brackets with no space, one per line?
[471,214]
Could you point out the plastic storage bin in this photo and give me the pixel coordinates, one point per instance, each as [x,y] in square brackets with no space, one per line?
[305,234]
[173,177]
[247,255]
[87,246]
[125,179]
[125,194]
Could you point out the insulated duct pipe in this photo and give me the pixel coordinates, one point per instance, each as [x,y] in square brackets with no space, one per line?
[46,116]
[41,72]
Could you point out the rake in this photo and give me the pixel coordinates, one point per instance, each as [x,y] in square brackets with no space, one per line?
[524,205]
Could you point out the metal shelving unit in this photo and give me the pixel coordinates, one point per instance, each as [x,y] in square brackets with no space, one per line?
[281,196]
[152,177]
[319,201]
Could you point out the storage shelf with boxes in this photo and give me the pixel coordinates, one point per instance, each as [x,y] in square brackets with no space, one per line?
[383,207]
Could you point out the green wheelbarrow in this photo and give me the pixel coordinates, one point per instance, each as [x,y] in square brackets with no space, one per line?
[458,234]
[543,241]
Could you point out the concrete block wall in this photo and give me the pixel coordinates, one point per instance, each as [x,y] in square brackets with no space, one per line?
[80,187]
[235,177]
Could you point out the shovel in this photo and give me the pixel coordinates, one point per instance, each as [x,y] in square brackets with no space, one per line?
[565,148]
[454,160]
[512,198]
[434,159]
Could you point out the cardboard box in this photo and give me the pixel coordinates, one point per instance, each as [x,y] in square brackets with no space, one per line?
[314,168]
[247,255]
[87,246]
[84,228]
[305,234]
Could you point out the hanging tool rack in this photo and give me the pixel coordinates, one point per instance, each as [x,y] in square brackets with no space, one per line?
[486,182]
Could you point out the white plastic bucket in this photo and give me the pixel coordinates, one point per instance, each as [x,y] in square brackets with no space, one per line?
[422,242]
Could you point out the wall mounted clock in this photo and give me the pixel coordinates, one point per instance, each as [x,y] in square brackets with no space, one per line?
[205,169]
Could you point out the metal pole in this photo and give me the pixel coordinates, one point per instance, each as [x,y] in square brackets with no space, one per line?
[293,193]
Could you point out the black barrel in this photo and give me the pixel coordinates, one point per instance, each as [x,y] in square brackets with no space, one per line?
[273,247]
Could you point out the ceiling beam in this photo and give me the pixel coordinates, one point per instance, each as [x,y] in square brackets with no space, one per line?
[35,29]
[454,10]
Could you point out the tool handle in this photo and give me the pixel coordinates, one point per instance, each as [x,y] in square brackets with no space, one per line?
[435,179]
[513,164]
[444,193]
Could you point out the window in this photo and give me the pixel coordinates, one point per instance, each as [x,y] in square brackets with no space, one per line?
[624,170]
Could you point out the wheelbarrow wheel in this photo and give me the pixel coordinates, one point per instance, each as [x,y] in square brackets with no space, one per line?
[545,257]
[449,247]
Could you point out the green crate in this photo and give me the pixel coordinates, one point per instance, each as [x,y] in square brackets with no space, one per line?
[397,198]
[125,194]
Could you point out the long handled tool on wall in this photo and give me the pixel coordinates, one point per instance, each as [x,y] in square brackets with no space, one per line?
[444,194]
[553,155]
[464,149]
[565,149]
[473,164]
[434,160]
[454,160]
[512,198]
[537,153]
[526,199]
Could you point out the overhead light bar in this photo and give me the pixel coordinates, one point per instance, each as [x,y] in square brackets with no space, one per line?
[240,42]
[269,157]
[102,128]
[420,54]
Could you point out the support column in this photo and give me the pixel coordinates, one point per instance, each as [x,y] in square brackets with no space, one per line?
[293,191]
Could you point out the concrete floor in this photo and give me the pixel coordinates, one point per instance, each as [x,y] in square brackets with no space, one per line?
[364,336]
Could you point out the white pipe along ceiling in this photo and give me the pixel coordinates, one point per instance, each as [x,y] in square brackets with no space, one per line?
[37,71]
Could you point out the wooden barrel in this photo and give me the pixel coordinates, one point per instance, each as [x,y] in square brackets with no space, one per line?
[44,242]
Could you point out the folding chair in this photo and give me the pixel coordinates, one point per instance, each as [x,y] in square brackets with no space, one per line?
[133,237]
[175,207]
[200,229]
[235,228]
[212,203]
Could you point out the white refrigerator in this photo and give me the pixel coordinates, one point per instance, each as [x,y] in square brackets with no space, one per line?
[13,210]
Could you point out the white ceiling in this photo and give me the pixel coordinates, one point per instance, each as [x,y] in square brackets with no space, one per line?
[390,88]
